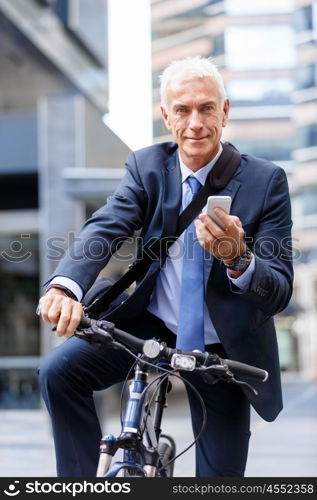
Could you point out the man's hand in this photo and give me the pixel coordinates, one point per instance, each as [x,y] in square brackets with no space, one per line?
[61,311]
[224,244]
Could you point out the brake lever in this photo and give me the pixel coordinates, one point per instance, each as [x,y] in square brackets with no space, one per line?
[95,335]
[214,373]
[246,385]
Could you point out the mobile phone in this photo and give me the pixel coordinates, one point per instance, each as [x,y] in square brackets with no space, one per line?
[223,202]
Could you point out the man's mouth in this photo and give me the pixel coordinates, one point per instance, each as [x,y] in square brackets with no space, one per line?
[196,138]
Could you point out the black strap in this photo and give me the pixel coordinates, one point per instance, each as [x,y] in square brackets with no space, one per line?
[218,178]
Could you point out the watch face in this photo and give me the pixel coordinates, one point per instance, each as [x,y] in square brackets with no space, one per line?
[241,263]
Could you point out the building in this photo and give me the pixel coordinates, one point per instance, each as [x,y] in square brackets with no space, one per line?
[58,162]
[266,52]
[235,34]
[304,182]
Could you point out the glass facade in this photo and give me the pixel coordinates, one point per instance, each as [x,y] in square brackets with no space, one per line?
[29,77]
[19,288]
[306,76]
[273,149]
[19,326]
[181,20]
[307,136]
[304,209]
[19,389]
[260,91]
[270,47]
[88,24]
[252,7]
[304,18]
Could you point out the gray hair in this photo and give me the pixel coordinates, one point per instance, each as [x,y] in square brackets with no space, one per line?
[188,69]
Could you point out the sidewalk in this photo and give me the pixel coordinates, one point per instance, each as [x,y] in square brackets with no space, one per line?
[285,448]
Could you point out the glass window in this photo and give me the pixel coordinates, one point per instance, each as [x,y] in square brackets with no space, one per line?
[260,91]
[18,127]
[19,389]
[306,76]
[243,7]
[304,18]
[185,19]
[218,43]
[307,136]
[159,128]
[19,293]
[18,191]
[273,150]
[305,203]
[268,47]
[87,23]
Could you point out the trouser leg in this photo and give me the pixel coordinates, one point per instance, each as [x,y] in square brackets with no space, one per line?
[222,449]
[68,376]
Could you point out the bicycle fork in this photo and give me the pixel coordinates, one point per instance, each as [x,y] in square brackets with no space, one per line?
[130,439]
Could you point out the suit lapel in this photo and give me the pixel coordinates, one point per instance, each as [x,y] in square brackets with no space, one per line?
[172,194]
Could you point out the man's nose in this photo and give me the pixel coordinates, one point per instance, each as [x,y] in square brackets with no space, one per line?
[195,121]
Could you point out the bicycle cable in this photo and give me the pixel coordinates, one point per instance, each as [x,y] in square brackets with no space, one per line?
[162,376]
[203,425]
[186,382]
[121,346]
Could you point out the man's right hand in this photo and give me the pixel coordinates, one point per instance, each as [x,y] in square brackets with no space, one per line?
[61,311]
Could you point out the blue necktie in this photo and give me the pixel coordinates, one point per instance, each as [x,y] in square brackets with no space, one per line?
[190,331]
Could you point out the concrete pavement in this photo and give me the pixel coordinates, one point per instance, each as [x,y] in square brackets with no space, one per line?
[285,448]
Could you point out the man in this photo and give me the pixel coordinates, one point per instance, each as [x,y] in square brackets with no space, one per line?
[240,289]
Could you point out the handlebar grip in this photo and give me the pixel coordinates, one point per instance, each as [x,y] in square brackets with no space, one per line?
[85,322]
[250,371]
[117,334]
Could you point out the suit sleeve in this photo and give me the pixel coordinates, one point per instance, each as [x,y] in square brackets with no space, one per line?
[103,234]
[271,285]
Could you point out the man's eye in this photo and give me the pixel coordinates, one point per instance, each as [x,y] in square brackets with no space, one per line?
[209,107]
[181,111]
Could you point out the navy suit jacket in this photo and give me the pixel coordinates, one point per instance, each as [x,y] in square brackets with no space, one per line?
[149,198]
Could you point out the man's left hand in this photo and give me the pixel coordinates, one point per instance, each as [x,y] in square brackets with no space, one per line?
[223,243]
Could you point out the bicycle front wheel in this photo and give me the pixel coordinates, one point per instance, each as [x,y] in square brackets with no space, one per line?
[166,451]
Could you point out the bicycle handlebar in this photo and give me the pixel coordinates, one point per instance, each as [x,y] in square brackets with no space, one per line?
[102,331]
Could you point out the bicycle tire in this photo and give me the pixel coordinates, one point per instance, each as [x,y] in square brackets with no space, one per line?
[167,452]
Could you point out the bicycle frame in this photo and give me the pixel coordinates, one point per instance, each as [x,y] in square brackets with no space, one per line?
[157,457]
[138,458]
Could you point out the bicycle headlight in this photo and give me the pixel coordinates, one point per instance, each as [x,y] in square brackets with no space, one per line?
[183,362]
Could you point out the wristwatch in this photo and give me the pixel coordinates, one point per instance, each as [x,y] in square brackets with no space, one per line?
[241,262]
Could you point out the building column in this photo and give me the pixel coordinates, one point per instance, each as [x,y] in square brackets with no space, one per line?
[61,145]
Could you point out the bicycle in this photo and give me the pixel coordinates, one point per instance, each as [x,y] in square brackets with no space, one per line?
[147,452]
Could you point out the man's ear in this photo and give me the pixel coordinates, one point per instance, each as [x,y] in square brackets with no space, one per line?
[165,117]
[226,107]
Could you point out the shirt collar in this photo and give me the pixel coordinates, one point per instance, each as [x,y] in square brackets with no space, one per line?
[202,173]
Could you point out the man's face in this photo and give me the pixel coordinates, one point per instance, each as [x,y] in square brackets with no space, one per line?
[196,117]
